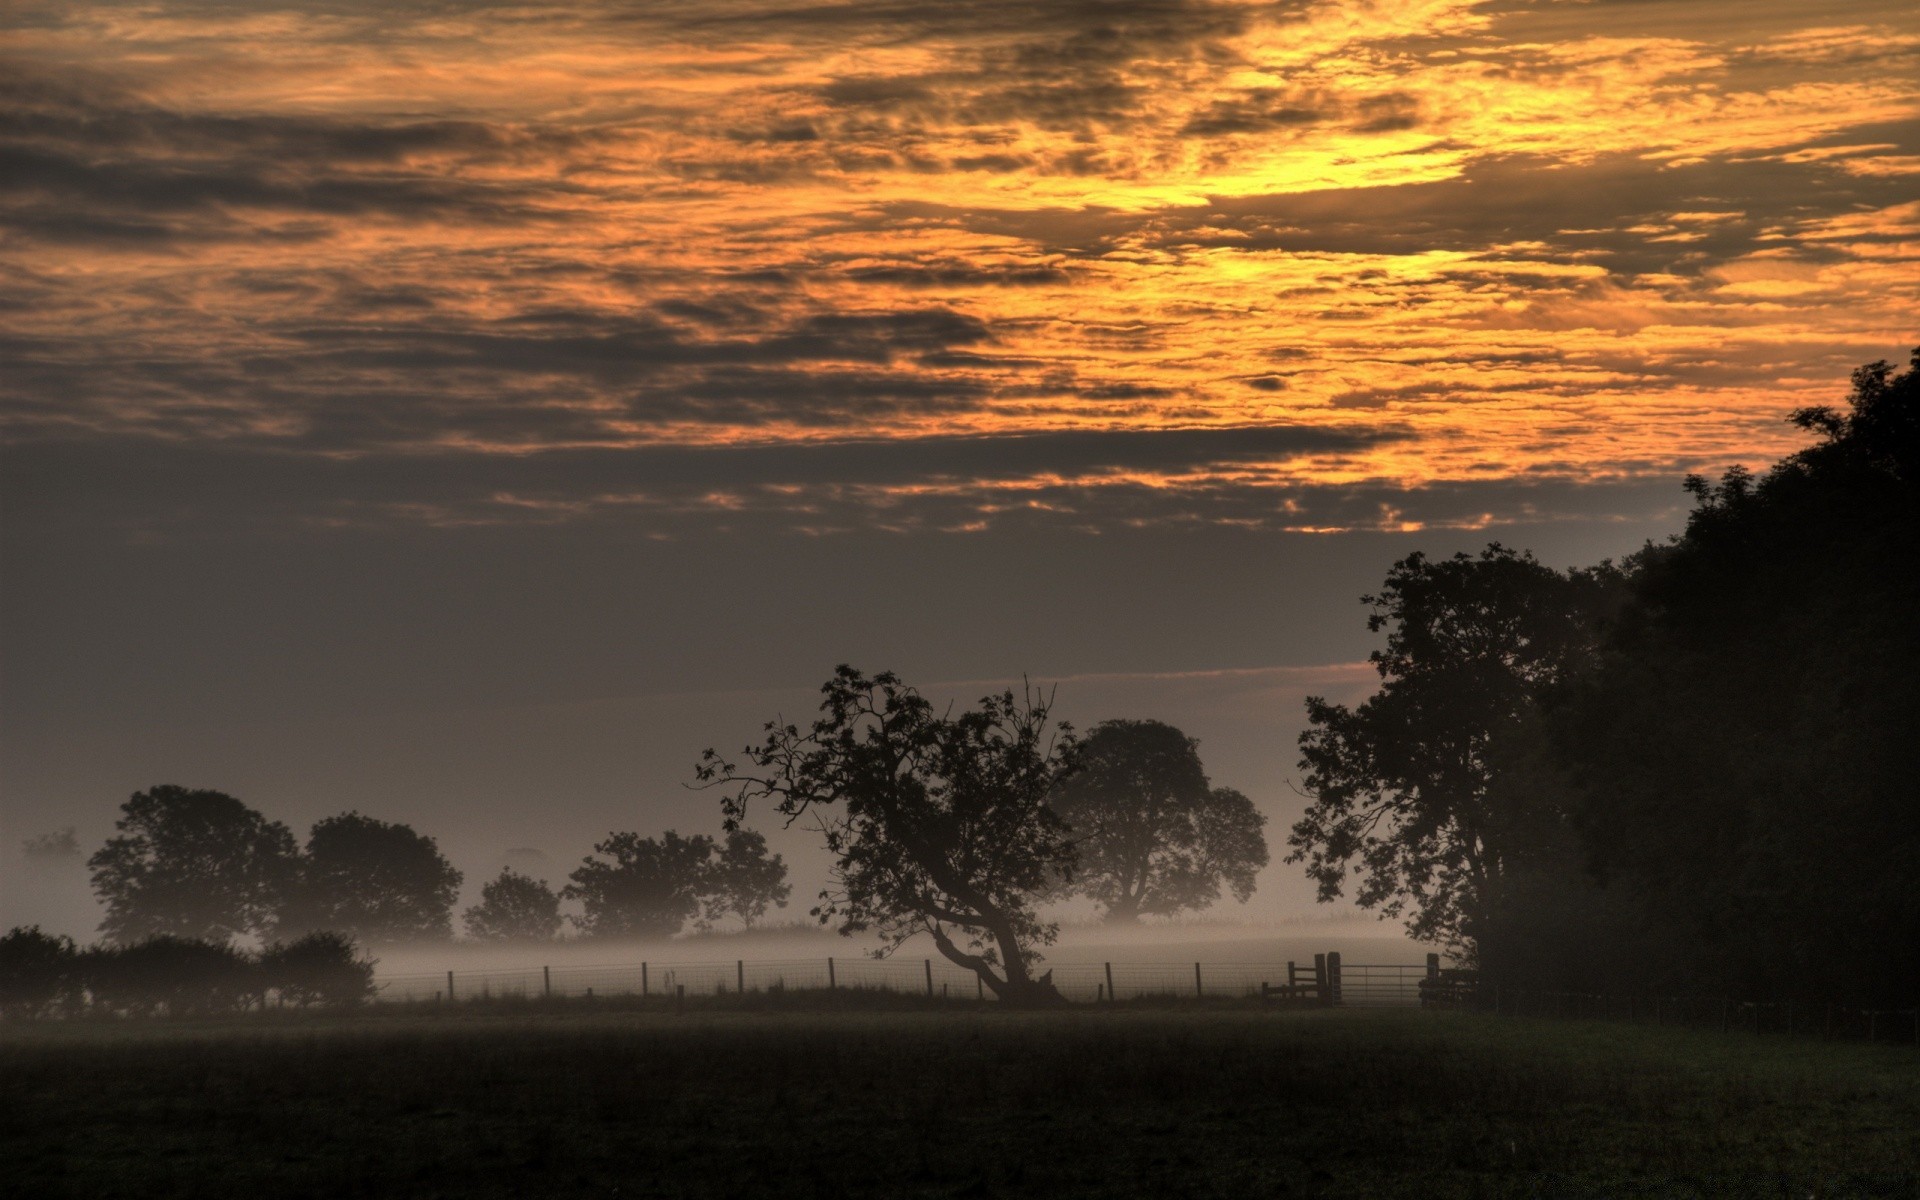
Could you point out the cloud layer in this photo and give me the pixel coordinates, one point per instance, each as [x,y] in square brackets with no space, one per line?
[1309,265]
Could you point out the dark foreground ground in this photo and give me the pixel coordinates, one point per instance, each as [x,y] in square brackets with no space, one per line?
[1111,1103]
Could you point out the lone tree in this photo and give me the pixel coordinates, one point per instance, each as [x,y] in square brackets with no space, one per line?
[743,880]
[1155,836]
[937,824]
[191,863]
[514,908]
[1401,787]
[650,888]
[374,882]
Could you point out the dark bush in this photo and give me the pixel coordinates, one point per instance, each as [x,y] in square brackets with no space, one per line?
[37,973]
[320,968]
[175,976]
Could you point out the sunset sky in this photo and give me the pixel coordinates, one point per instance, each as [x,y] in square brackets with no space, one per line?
[469,412]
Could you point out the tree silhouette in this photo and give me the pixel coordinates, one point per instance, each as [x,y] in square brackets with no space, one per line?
[1154,835]
[650,888]
[372,881]
[1747,750]
[514,908]
[191,863]
[743,880]
[937,824]
[1400,785]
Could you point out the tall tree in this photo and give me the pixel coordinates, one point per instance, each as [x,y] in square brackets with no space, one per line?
[743,880]
[372,881]
[640,887]
[191,863]
[937,824]
[1400,786]
[1154,835]
[1748,747]
[514,908]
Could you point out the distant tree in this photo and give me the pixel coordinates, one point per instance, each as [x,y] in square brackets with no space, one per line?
[514,908]
[52,847]
[38,972]
[191,863]
[937,824]
[1154,835]
[1400,787]
[743,880]
[320,968]
[374,882]
[645,887]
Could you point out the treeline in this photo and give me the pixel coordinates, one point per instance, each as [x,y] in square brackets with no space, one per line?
[42,975]
[202,866]
[1698,769]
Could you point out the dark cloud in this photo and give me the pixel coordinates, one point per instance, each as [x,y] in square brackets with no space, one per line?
[114,169]
[171,489]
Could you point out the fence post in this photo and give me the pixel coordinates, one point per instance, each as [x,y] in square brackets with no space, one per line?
[1111,994]
[830,983]
[740,974]
[449,987]
[1320,980]
[1433,967]
[979,987]
[1197,989]
[929,979]
[1333,975]
[643,979]
[546,982]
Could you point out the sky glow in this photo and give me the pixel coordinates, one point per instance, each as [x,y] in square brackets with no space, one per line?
[1411,243]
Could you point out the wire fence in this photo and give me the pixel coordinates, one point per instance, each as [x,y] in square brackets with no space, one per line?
[1379,985]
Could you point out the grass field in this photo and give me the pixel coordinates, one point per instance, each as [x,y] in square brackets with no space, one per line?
[1174,1101]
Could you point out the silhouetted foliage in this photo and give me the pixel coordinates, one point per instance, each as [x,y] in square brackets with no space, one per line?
[514,908]
[39,973]
[937,824]
[743,880]
[1400,786]
[1154,835]
[1698,774]
[1748,751]
[320,968]
[191,864]
[179,977]
[374,881]
[650,888]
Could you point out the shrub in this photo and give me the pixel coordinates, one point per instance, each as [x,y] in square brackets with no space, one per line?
[171,975]
[37,972]
[320,968]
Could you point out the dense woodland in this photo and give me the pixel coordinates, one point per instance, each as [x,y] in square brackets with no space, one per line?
[1698,769]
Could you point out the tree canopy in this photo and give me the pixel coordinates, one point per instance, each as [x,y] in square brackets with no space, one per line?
[743,880]
[1154,835]
[373,881]
[514,908]
[191,863]
[937,823]
[640,887]
[1745,753]
[1399,786]
[1696,772]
